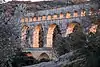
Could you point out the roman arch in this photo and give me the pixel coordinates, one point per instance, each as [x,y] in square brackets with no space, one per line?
[73,26]
[24,32]
[38,36]
[43,56]
[53,30]
[24,35]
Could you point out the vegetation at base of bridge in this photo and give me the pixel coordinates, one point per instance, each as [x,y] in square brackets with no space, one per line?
[9,33]
[84,46]
[21,59]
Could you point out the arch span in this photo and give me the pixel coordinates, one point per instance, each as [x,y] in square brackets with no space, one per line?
[43,56]
[53,30]
[72,27]
[94,27]
[24,32]
[38,36]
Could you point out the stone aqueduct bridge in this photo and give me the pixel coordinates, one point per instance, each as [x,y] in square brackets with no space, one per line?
[40,28]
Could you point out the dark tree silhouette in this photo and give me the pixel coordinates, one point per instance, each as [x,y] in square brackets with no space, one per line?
[9,34]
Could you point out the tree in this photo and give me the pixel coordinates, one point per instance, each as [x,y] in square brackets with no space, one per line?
[9,34]
[61,46]
[74,41]
[85,49]
[93,49]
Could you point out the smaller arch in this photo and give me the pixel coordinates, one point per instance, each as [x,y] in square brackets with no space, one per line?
[55,16]
[39,18]
[43,17]
[29,54]
[30,19]
[68,15]
[26,19]
[91,11]
[75,13]
[25,27]
[22,20]
[44,56]
[61,15]
[49,17]
[83,12]
[34,18]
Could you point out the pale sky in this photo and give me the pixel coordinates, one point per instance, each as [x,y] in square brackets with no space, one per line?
[28,0]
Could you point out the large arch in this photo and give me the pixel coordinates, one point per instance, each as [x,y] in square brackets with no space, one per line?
[53,30]
[71,27]
[38,36]
[24,32]
[95,27]
[25,36]
[43,56]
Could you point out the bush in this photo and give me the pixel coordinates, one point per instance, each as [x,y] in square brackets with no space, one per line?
[44,60]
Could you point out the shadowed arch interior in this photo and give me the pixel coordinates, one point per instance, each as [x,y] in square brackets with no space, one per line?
[43,56]
[53,30]
[38,36]
[73,26]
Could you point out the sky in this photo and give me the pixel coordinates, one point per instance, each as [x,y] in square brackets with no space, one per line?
[28,0]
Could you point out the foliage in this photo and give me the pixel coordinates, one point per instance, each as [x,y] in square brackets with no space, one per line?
[9,34]
[21,60]
[93,49]
[85,49]
[44,60]
[73,41]
[61,46]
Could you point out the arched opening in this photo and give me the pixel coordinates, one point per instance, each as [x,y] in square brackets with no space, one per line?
[55,16]
[22,20]
[53,30]
[34,18]
[26,19]
[83,12]
[38,36]
[72,27]
[68,15]
[43,17]
[49,17]
[24,34]
[91,11]
[75,13]
[61,15]
[30,19]
[39,18]
[44,56]
[93,28]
